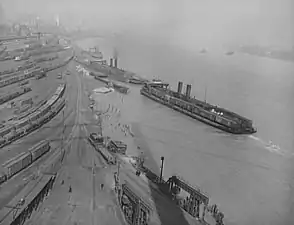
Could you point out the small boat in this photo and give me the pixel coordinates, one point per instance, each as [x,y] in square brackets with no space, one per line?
[203,50]
[230,53]
[135,80]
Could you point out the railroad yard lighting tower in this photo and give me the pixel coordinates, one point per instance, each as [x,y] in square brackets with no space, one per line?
[161,169]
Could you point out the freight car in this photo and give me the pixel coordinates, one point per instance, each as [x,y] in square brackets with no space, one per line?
[39,149]
[58,106]
[3,177]
[16,164]
[7,72]
[26,66]
[60,90]
[16,79]
[14,95]
[52,100]
[40,76]
[23,160]
[4,131]
[35,120]
[2,141]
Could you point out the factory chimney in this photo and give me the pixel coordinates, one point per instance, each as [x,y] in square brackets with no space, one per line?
[180,86]
[111,62]
[115,62]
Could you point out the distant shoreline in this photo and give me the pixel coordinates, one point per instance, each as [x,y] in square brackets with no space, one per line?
[267,52]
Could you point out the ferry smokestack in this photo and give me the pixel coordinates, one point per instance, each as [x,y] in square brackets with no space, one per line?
[180,86]
[188,90]
[111,62]
[115,62]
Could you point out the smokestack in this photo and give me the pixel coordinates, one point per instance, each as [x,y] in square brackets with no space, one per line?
[115,62]
[180,86]
[188,90]
[111,62]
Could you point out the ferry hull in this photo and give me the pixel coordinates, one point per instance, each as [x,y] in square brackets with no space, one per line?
[197,117]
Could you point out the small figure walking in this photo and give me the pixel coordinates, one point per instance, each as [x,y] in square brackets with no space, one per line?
[101,186]
[70,189]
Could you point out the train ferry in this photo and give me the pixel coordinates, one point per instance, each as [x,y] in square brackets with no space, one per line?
[212,115]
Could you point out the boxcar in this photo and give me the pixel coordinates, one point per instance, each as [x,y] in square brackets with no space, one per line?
[39,149]
[3,177]
[59,105]
[22,123]
[6,130]
[2,141]
[17,163]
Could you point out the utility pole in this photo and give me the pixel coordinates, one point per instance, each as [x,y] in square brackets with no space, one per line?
[118,168]
[161,168]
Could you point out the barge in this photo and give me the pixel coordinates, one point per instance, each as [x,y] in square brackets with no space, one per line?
[212,115]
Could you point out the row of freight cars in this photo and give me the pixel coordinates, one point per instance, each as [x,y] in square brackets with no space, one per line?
[23,160]
[35,120]
[18,69]
[8,76]
[29,74]
[18,78]
[58,65]
[30,110]
[45,51]
[25,127]
[42,59]
[27,55]
[14,95]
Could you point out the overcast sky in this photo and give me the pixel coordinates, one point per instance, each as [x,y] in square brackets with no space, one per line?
[186,21]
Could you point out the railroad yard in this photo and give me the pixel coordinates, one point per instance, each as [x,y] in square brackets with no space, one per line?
[24,118]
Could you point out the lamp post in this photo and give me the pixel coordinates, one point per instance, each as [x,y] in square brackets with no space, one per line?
[161,168]
[62,138]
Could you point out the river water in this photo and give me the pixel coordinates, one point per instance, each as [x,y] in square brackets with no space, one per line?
[250,177]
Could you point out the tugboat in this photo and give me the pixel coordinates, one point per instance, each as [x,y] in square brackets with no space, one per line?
[215,116]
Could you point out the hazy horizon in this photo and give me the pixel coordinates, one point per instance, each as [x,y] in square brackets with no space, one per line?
[186,23]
